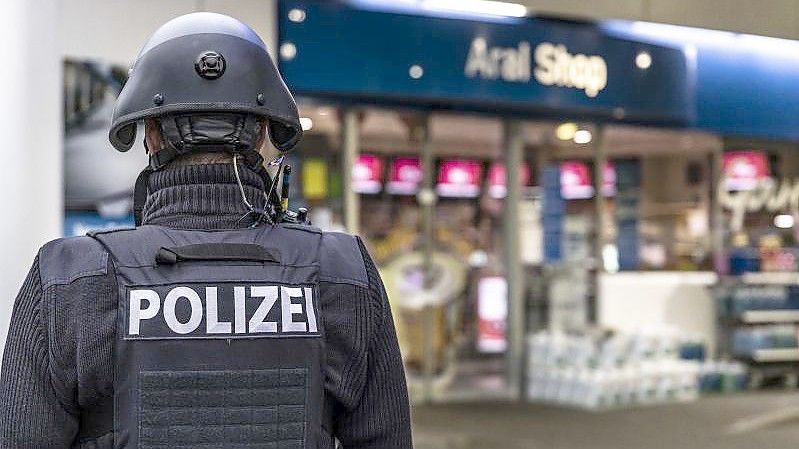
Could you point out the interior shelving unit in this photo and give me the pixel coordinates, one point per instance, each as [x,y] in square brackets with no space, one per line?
[755,314]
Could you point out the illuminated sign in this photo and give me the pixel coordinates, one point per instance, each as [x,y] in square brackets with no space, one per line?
[367,174]
[521,66]
[492,314]
[771,195]
[405,176]
[459,178]
[743,170]
[497,180]
[555,66]
[576,183]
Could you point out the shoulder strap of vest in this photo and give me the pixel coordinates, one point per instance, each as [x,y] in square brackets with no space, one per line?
[341,261]
[134,246]
[65,260]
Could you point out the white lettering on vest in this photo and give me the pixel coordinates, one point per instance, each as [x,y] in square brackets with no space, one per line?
[290,309]
[309,309]
[213,325]
[196,310]
[137,314]
[240,309]
[280,309]
[257,323]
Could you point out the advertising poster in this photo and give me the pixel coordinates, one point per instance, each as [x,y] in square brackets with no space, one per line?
[98,180]
[492,314]
[553,212]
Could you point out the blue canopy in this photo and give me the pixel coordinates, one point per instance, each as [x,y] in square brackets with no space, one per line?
[385,52]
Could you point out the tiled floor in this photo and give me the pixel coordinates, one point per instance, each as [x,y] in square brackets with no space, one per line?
[722,422]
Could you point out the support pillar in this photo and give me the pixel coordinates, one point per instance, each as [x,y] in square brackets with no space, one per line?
[427,201]
[600,219]
[514,148]
[349,154]
[31,188]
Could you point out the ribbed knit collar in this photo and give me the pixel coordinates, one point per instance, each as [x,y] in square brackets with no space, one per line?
[202,196]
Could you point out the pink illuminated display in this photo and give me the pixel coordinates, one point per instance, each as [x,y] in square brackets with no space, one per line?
[576,182]
[497,184]
[743,170]
[459,178]
[405,176]
[367,174]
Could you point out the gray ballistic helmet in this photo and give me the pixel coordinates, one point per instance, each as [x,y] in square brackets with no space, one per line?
[204,63]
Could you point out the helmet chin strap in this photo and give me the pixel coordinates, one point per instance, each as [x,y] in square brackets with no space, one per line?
[140,191]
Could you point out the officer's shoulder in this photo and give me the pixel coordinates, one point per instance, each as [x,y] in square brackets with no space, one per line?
[341,259]
[67,259]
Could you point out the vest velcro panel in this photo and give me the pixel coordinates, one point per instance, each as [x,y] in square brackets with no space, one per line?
[244,409]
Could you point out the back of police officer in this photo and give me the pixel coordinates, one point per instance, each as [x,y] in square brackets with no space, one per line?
[220,321]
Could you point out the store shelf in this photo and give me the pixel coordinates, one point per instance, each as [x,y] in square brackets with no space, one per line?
[787,278]
[776,355]
[770,316]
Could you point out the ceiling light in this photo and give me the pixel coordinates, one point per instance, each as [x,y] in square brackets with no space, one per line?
[566,131]
[643,60]
[784,221]
[306,123]
[323,111]
[582,136]
[288,51]
[297,15]
[492,8]
[416,71]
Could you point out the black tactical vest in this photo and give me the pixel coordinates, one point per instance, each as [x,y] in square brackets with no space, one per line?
[219,338]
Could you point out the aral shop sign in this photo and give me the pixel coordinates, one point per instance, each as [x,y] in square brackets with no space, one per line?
[554,65]
[534,67]
[769,195]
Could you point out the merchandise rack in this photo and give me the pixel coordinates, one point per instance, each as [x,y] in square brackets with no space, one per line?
[764,364]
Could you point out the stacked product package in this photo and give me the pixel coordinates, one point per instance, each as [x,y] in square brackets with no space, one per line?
[610,370]
[746,341]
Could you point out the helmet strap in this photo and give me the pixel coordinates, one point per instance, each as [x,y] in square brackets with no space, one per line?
[140,194]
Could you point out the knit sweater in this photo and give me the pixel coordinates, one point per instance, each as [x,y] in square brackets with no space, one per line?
[58,361]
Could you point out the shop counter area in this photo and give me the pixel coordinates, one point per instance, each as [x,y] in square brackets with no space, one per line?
[634,301]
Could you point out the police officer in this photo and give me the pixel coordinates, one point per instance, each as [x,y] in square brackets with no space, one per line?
[220,321]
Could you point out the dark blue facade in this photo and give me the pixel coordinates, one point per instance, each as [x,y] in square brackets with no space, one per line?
[373,52]
[748,94]
[745,85]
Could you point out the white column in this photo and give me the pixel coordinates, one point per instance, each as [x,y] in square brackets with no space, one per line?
[31,187]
